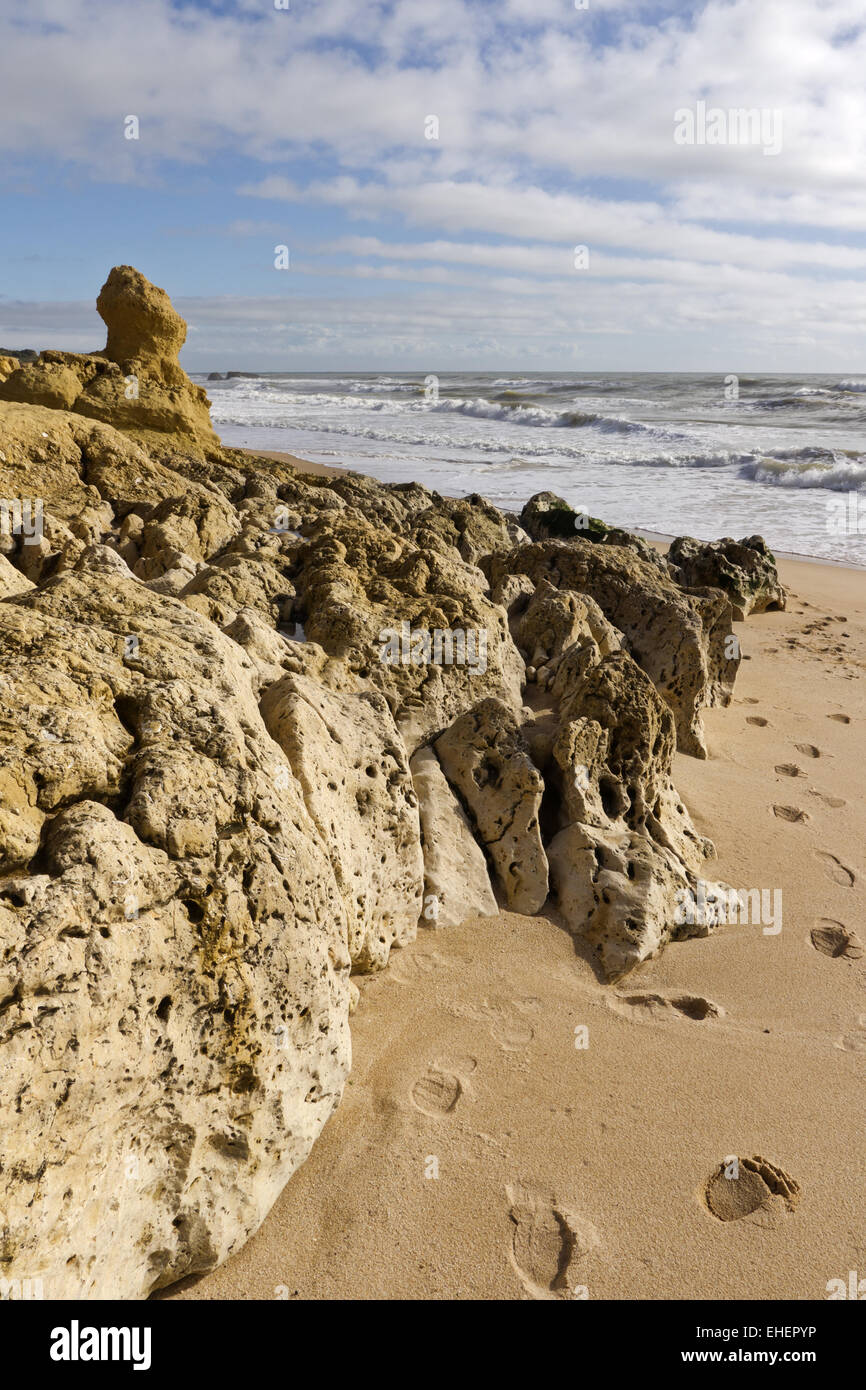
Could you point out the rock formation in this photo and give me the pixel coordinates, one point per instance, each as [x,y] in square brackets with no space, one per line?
[745,570]
[136,383]
[257,728]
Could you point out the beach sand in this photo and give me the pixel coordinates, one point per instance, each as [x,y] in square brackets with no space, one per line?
[563,1167]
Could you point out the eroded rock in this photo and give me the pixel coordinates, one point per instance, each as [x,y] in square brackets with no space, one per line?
[486,760]
[745,570]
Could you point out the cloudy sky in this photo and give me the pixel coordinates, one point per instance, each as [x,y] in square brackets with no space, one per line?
[431,166]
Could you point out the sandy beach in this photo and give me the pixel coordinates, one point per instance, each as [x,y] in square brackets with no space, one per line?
[484,1149]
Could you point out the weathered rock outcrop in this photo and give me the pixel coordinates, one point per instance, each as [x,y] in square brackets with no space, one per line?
[137,382]
[485,759]
[456,879]
[173,1025]
[255,728]
[351,764]
[414,623]
[549,517]
[682,640]
[745,570]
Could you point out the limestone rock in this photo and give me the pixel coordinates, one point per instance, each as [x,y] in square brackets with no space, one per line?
[352,767]
[745,570]
[50,384]
[486,761]
[619,892]
[378,602]
[208,814]
[680,639]
[173,1033]
[456,879]
[137,382]
[548,517]
[140,319]
[627,846]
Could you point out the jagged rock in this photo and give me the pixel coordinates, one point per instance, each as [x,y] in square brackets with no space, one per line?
[681,640]
[486,760]
[8,365]
[554,622]
[513,592]
[618,891]
[549,517]
[628,845]
[12,581]
[377,602]
[456,879]
[137,383]
[745,570]
[353,770]
[173,1032]
[50,384]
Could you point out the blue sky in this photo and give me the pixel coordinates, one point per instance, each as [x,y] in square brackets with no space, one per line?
[308,128]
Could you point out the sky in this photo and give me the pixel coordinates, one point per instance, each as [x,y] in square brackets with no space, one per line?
[431,167]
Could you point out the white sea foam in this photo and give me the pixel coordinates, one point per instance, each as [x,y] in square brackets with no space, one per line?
[671,453]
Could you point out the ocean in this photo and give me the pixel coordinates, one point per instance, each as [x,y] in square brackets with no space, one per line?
[672,453]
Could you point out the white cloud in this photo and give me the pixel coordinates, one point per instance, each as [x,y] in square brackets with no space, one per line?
[547,140]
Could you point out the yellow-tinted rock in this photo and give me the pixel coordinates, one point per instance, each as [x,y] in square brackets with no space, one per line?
[137,384]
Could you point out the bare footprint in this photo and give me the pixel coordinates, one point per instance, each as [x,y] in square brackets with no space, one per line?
[835,939]
[835,869]
[789,813]
[854,1042]
[406,967]
[646,1007]
[808,750]
[757,720]
[834,802]
[548,1242]
[740,1187]
[840,718]
[512,1033]
[461,1064]
[436,1093]
[789,770]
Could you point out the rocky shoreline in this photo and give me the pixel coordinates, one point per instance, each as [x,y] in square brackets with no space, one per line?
[226,789]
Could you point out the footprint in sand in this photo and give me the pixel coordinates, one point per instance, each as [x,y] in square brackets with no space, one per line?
[409,966]
[652,1007]
[757,720]
[835,939]
[789,770]
[460,1064]
[808,750]
[835,869]
[512,1033]
[742,1187]
[834,802]
[436,1093]
[854,1042]
[840,718]
[548,1243]
[790,813]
